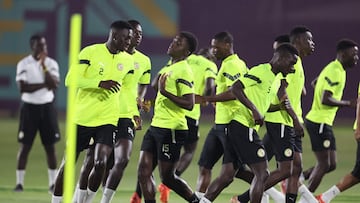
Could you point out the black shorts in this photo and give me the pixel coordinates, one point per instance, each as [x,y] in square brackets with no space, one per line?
[104,134]
[321,136]
[125,129]
[356,170]
[193,133]
[280,138]
[164,143]
[215,146]
[298,144]
[42,117]
[246,144]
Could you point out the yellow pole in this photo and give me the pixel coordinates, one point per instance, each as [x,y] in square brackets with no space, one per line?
[74,48]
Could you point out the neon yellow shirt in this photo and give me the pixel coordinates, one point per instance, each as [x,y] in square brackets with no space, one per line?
[140,74]
[355,119]
[96,106]
[260,87]
[202,69]
[179,82]
[294,90]
[231,69]
[332,78]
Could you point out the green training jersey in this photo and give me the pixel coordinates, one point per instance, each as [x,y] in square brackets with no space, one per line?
[332,78]
[294,90]
[202,69]
[179,82]
[260,87]
[127,101]
[231,69]
[358,97]
[140,74]
[95,106]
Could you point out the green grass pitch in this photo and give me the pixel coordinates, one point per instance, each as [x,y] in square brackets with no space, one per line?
[36,181]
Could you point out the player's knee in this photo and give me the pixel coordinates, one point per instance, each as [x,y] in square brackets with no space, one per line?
[122,163]
[226,179]
[143,174]
[99,165]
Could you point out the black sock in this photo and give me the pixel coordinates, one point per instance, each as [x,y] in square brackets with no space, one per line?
[194,199]
[244,197]
[290,198]
[138,189]
[150,201]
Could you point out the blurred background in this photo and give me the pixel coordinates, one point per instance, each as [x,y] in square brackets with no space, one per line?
[254,25]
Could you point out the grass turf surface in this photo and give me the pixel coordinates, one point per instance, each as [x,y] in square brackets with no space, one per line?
[36,181]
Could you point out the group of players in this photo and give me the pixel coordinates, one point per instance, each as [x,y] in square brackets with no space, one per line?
[112,79]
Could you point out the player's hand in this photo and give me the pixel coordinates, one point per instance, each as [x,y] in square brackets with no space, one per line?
[162,82]
[143,105]
[285,104]
[299,129]
[41,56]
[111,85]
[258,118]
[50,83]
[353,103]
[138,122]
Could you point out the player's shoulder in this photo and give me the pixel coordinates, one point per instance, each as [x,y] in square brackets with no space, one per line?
[27,59]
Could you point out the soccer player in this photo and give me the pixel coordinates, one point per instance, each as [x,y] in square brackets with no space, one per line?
[255,90]
[232,67]
[132,91]
[353,177]
[166,135]
[37,76]
[327,99]
[204,70]
[98,76]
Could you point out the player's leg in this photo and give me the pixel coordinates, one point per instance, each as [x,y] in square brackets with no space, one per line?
[189,146]
[122,153]
[325,152]
[146,166]
[249,149]
[211,152]
[83,137]
[28,125]
[84,173]
[50,134]
[104,143]
[168,156]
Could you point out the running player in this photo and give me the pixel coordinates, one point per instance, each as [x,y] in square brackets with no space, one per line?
[162,142]
[98,76]
[327,99]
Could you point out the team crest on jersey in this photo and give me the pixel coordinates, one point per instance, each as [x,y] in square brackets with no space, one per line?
[120,67]
[288,152]
[261,153]
[326,143]
[136,65]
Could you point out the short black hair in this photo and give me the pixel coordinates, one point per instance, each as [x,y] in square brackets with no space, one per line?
[224,36]
[206,52]
[282,38]
[34,38]
[120,24]
[345,44]
[298,30]
[133,22]
[191,39]
[287,47]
